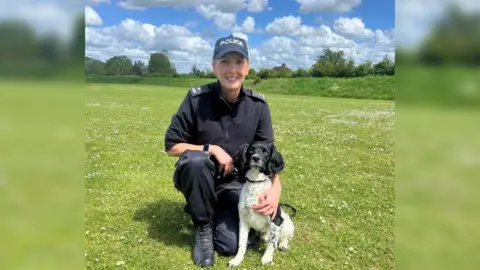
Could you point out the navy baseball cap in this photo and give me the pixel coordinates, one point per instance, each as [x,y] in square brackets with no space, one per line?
[228,44]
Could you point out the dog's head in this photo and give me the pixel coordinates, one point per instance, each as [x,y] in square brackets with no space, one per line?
[259,156]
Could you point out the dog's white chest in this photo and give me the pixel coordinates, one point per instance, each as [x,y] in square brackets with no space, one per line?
[249,196]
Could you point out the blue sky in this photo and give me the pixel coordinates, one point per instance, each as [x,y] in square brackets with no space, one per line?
[364,29]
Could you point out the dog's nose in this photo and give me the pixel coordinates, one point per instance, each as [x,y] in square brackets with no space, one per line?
[255,158]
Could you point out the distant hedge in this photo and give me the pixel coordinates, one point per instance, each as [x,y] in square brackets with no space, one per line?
[369,87]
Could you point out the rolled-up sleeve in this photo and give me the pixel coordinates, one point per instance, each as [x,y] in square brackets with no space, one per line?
[264,131]
[180,128]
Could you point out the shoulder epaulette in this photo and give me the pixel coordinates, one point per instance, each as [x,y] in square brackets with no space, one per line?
[199,90]
[257,95]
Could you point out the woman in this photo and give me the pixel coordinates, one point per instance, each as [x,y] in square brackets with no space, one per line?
[212,122]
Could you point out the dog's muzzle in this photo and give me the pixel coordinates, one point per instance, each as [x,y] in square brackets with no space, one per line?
[256,161]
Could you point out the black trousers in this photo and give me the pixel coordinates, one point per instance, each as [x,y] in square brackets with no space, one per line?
[196,177]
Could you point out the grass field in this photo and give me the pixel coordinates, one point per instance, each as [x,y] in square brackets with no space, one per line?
[339,175]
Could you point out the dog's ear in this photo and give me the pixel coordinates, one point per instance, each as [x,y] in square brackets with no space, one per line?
[240,158]
[275,163]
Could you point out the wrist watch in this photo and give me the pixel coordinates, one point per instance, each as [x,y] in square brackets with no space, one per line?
[206,148]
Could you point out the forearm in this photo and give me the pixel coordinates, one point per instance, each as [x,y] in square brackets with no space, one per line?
[276,183]
[179,148]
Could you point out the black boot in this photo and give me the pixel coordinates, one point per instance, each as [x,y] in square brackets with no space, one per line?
[203,252]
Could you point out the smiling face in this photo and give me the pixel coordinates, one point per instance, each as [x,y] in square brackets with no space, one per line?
[231,70]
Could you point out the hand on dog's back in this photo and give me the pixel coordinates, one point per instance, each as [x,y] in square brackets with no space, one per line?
[267,203]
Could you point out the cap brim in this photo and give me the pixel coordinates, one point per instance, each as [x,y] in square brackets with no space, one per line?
[224,52]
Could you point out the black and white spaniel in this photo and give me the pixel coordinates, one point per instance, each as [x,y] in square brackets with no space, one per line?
[259,163]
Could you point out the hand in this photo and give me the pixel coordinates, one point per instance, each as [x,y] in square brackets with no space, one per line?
[268,202]
[224,160]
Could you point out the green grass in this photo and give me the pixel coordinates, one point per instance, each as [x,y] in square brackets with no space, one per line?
[371,87]
[448,86]
[41,174]
[339,156]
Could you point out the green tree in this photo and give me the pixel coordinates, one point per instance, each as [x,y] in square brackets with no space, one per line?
[455,39]
[94,66]
[210,74]
[301,73]
[50,48]
[284,73]
[159,64]
[364,69]
[267,73]
[384,67]
[346,69]
[17,42]
[119,66]
[252,74]
[195,72]
[140,69]
[333,64]
[77,45]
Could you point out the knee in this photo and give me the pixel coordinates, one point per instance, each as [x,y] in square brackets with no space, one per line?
[225,239]
[193,168]
[226,247]
[195,160]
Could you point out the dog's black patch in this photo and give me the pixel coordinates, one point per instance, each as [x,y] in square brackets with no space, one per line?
[275,162]
[278,219]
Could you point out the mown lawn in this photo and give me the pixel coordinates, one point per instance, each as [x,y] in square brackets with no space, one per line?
[340,176]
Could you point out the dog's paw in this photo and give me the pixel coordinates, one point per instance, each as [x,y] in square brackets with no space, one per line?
[283,247]
[267,260]
[234,262]
[264,237]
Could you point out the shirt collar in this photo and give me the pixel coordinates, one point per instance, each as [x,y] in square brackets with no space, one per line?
[241,95]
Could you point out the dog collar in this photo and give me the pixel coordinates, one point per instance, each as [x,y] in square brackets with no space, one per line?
[246,178]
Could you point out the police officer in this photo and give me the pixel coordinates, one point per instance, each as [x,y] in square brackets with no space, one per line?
[212,122]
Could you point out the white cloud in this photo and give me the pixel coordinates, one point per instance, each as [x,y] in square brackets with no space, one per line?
[327,5]
[289,25]
[383,43]
[222,12]
[248,26]
[138,40]
[226,6]
[191,24]
[256,5]
[279,45]
[91,17]
[298,45]
[221,19]
[99,1]
[352,28]
[240,35]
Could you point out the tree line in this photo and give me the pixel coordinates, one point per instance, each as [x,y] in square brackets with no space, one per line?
[329,64]
[453,40]
[25,52]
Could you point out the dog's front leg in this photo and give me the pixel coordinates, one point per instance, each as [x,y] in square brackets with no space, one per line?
[242,244]
[272,243]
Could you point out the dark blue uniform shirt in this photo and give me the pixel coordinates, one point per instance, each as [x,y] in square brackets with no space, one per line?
[205,117]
